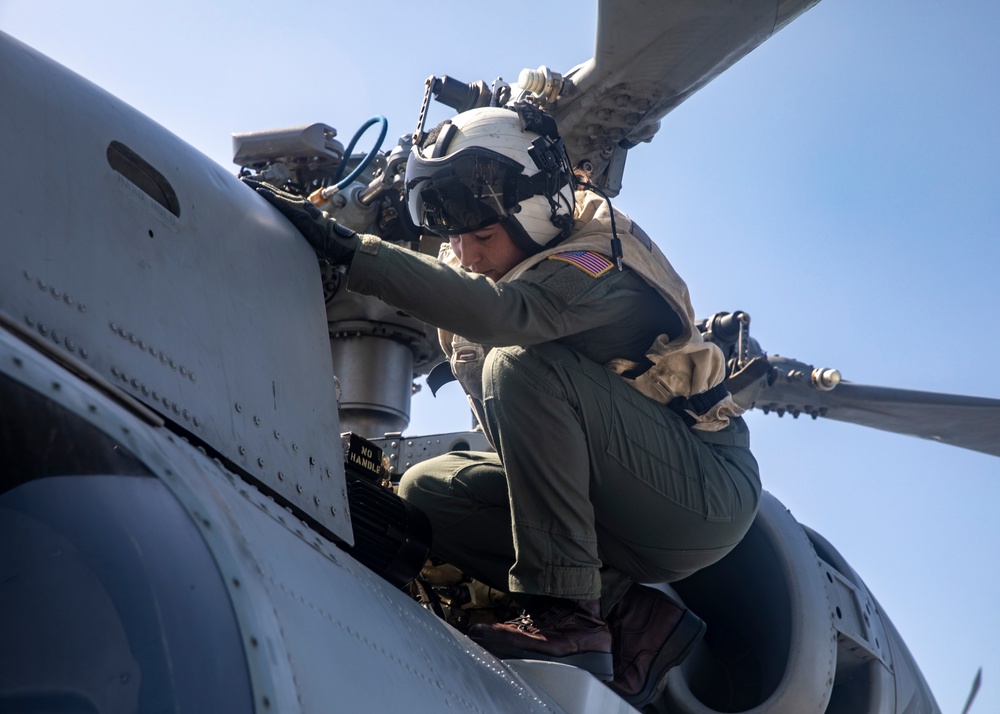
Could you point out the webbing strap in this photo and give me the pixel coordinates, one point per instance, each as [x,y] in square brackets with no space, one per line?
[702,402]
[698,403]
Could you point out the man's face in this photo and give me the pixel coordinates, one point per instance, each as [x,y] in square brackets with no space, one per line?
[489,251]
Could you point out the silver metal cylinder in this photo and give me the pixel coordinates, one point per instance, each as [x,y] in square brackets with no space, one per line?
[376,382]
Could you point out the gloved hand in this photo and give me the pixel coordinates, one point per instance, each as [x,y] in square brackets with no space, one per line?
[332,241]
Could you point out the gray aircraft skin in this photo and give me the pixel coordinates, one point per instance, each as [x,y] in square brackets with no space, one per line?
[176,369]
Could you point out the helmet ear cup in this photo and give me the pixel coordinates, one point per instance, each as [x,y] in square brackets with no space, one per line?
[536,220]
[521,238]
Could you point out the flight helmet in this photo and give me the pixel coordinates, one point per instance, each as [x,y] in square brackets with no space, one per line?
[493,165]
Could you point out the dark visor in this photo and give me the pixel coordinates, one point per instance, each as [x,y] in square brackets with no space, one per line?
[463,193]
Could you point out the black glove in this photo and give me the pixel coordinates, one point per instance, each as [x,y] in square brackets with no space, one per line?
[332,241]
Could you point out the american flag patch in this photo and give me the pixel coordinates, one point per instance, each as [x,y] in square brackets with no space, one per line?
[594,264]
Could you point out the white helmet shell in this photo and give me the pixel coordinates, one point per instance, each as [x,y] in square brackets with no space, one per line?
[500,130]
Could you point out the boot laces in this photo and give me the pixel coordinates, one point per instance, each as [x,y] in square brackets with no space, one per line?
[542,618]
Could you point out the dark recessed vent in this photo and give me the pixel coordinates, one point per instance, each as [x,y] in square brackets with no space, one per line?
[140,172]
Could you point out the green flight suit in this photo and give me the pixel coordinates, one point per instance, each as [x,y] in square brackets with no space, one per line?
[593,485]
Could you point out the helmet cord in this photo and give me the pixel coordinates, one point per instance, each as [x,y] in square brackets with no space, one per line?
[616,244]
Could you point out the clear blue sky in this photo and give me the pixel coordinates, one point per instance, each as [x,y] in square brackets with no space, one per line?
[841,184]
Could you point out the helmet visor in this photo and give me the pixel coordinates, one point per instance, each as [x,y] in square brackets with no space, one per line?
[463,193]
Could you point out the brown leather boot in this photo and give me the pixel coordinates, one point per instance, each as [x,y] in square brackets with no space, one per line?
[555,630]
[650,633]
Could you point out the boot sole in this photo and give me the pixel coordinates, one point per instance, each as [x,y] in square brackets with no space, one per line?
[599,664]
[685,636]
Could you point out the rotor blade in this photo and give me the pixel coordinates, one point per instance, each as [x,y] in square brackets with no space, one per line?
[975,690]
[963,421]
[650,55]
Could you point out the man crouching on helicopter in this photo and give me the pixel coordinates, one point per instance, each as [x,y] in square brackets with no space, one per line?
[620,456]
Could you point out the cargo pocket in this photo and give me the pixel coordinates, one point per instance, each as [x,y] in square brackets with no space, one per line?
[722,500]
[467,366]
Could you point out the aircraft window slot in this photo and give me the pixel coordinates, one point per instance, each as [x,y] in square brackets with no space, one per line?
[140,172]
[40,439]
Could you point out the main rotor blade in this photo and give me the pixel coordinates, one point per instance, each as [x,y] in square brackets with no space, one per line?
[976,683]
[650,55]
[968,422]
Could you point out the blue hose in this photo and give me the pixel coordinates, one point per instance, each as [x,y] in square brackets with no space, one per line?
[341,183]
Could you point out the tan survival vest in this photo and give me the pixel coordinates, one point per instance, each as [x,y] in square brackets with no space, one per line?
[683,365]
